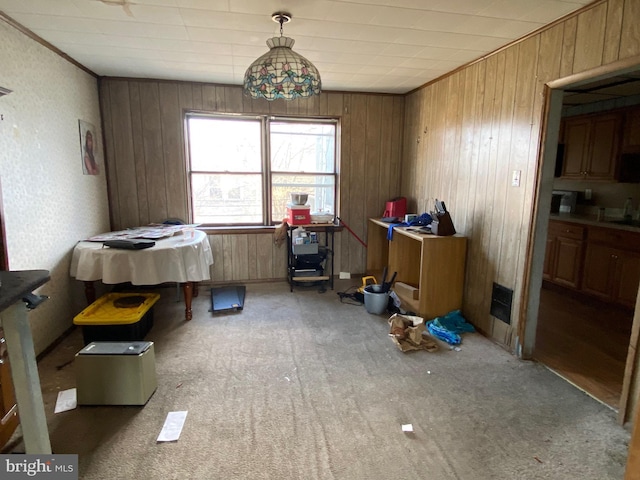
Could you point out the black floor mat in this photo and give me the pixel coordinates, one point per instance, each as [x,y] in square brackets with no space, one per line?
[227,298]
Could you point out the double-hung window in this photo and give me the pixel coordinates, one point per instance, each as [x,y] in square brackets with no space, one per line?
[242,169]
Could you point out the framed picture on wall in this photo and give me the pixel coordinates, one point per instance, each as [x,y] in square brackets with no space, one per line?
[89,148]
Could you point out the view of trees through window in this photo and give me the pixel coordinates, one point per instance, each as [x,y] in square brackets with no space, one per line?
[302,160]
[234,175]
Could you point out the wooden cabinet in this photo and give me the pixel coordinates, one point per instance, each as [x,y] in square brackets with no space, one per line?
[612,265]
[603,262]
[631,132]
[563,257]
[549,257]
[591,146]
[434,265]
[8,409]
[629,167]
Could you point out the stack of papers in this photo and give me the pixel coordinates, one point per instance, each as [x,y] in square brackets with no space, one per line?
[150,232]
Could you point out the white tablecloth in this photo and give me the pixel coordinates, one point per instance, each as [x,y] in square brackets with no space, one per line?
[174,259]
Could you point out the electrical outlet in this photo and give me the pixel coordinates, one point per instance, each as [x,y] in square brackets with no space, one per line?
[515,179]
[587,194]
[345,275]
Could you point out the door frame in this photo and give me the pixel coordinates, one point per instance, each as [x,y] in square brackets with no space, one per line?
[536,245]
[4,258]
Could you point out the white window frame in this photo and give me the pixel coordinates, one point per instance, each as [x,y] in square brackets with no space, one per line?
[266,172]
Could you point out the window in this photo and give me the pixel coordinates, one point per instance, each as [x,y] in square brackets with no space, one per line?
[242,168]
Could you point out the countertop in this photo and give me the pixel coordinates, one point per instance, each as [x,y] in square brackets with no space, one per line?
[592,220]
[16,284]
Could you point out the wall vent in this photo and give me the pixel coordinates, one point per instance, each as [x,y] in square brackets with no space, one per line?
[501,299]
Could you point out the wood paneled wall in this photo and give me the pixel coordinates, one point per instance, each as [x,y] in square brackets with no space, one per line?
[468,132]
[146,165]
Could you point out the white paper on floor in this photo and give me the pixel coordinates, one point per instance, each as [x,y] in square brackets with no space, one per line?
[172,426]
[67,400]
[408,427]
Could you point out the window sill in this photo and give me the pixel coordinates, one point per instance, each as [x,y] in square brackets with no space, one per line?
[259,229]
[240,230]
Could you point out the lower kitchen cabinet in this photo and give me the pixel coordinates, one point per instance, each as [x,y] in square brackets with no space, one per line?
[563,257]
[600,261]
[8,408]
[612,265]
[611,274]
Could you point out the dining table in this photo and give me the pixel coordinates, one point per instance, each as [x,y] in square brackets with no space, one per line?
[184,258]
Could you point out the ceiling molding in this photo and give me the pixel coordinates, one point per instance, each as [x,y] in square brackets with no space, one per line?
[21,28]
[511,44]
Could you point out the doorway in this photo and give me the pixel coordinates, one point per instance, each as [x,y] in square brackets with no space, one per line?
[583,337]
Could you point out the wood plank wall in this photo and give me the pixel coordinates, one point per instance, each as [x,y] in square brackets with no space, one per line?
[146,165]
[466,134]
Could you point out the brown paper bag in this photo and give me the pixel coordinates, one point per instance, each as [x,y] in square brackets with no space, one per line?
[406,331]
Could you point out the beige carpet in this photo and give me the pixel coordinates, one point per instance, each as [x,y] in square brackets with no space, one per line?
[301,386]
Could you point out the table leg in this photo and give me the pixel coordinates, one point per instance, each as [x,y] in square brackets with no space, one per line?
[26,381]
[90,292]
[187,289]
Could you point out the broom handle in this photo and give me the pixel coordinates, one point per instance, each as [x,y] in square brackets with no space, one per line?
[351,231]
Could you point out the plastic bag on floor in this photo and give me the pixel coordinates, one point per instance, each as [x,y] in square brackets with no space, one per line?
[449,327]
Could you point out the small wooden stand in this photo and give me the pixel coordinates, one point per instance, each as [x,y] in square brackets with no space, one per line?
[431,264]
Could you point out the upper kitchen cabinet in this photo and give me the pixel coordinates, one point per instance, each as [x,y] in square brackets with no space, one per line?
[591,146]
[629,168]
[631,135]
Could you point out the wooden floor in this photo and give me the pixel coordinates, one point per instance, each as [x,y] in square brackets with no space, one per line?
[585,341]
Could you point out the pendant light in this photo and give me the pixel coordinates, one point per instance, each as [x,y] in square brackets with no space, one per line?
[281,72]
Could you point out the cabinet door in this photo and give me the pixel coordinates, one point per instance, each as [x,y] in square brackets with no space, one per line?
[576,147]
[8,412]
[631,136]
[549,258]
[604,147]
[599,270]
[568,258]
[627,278]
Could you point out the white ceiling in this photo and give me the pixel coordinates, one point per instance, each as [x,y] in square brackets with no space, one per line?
[390,46]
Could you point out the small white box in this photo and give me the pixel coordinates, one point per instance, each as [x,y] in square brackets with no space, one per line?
[115,373]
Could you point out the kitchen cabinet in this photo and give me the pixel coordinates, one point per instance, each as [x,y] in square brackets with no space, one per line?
[434,265]
[8,408]
[591,146]
[629,168]
[563,256]
[612,265]
[631,132]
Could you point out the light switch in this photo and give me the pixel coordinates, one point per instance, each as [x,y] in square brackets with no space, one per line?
[515,179]
[587,194]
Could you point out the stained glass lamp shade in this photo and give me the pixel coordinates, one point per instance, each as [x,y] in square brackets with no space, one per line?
[281,73]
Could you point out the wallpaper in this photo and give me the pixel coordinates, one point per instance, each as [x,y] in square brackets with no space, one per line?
[49,202]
